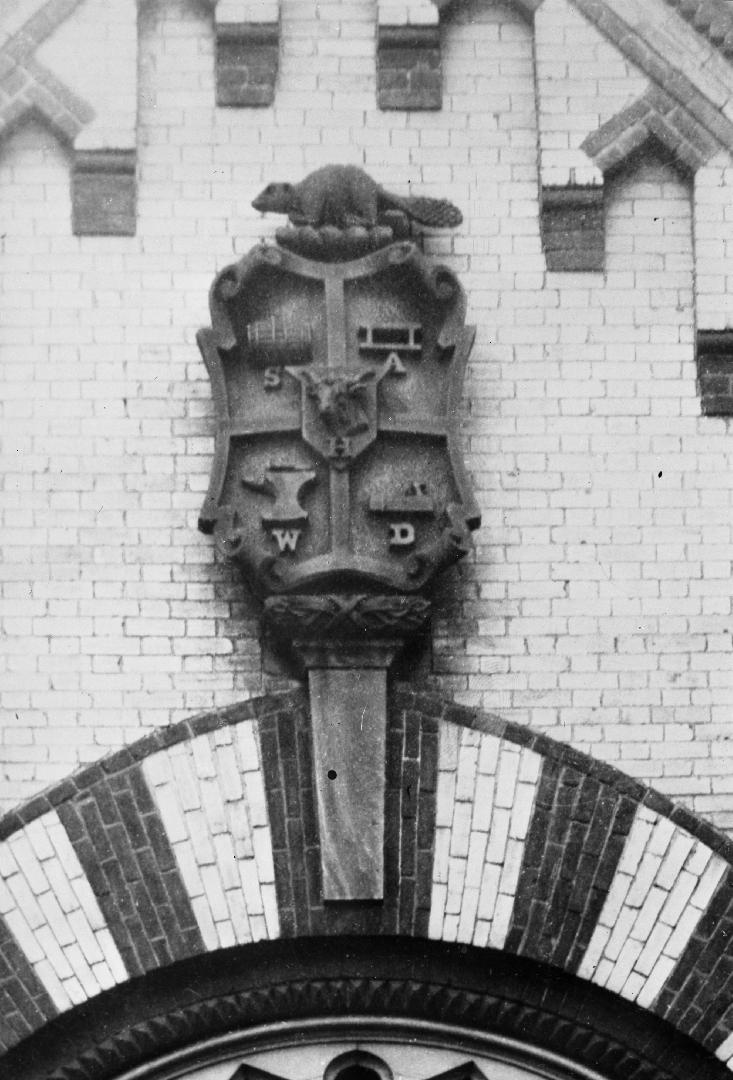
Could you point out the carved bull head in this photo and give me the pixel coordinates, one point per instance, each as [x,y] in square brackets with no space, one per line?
[337,395]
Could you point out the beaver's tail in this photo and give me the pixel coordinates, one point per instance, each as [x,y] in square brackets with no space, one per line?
[439,213]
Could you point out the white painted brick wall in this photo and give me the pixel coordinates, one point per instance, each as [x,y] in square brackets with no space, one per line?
[582,81]
[714,244]
[598,605]
[94,53]
[413,13]
[247,11]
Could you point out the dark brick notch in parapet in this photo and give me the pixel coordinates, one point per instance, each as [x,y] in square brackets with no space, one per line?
[412,755]
[103,192]
[573,227]
[247,59]
[123,848]
[409,68]
[575,841]
[24,1004]
[715,371]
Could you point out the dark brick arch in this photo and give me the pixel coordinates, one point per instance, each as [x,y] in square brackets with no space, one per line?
[584,826]
[174,1009]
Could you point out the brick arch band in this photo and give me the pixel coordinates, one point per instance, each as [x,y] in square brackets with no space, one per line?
[189,863]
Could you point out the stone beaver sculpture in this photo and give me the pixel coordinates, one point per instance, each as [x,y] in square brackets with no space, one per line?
[345,196]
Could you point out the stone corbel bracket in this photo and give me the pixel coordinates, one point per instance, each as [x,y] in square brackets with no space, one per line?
[247,53]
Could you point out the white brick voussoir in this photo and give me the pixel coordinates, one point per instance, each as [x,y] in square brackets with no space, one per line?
[211,797]
[663,884]
[486,791]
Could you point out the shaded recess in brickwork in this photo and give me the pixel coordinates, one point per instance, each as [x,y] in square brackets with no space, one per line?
[247,60]
[713,18]
[715,371]
[573,227]
[654,118]
[409,68]
[412,757]
[103,190]
[24,1004]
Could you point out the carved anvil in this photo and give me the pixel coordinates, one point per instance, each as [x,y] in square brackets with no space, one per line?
[338,485]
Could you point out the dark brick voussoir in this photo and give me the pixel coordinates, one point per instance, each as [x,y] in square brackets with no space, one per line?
[120,761]
[611,778]
[122,846]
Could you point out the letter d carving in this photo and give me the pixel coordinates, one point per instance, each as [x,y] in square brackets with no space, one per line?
[401,534]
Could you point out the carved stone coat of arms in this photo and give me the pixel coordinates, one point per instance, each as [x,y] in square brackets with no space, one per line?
[336,357]
[336,387]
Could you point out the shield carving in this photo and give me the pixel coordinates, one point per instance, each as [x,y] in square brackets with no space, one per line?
[336,387]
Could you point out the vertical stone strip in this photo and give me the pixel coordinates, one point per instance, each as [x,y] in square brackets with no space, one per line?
[486,793]
[211,798]
[663,885]
[410,784]
[49,908]
[119,839]
[576,839]
[25,1003]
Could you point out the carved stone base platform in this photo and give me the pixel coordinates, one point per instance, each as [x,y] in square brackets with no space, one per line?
[347,644]
[332,244]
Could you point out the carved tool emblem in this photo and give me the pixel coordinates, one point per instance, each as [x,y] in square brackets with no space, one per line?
[345,377]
